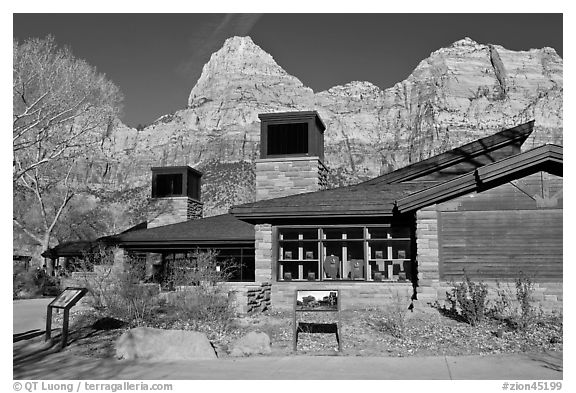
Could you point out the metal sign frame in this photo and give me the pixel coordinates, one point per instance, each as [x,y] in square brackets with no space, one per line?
[65,300]
[310,327]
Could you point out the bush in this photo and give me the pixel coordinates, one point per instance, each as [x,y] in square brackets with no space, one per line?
[516,309]
[199,298]
[33,283]
[524,291]
[470,298]
[393,317]
[119,291]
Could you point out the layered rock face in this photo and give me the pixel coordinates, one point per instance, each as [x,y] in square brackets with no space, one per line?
[456,95]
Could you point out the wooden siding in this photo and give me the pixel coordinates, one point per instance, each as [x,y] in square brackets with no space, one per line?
[502,232]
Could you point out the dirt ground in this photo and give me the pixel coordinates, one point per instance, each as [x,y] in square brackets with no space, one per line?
[424,332]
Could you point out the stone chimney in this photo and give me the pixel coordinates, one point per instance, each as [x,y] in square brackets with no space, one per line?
[291,155]
[175,195]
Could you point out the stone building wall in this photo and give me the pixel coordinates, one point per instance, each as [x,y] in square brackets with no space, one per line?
[263,253]
[172,210]
[281,177]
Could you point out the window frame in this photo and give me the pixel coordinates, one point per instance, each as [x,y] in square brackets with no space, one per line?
[394,265]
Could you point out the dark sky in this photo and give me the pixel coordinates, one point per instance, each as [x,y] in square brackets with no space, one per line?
[156,59]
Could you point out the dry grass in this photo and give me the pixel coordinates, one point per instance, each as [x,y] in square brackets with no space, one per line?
[426,333]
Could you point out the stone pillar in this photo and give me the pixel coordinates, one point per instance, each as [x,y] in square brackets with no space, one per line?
[119,258]
[172,210]
[263,253]
[280,177]
[427,253]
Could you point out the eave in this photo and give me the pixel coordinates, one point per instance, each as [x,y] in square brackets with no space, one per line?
[546,158]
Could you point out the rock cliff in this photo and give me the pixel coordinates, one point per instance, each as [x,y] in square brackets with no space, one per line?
[457,94]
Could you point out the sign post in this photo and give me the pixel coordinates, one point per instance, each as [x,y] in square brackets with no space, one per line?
[65,300]
[316,301]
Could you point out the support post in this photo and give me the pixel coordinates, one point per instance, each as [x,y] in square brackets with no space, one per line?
[48,323]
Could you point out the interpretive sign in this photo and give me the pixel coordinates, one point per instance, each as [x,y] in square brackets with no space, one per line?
[65,300]
[68,298]
[316,301]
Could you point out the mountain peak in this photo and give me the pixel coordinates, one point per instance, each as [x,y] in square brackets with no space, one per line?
[466,41]
[238,60]
[239,43]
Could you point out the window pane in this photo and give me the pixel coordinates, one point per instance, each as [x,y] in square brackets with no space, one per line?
[379,233]
[289,268]
[167,185]
[310,270]
[288,250]
[333,233]
[354,266]
[287,138]
[289,234]
[310,250]
[309,234]
[354,233]
[391,232]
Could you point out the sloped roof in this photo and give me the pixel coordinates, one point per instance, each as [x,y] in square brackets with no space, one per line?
[358,200]
[69,249]
[377,197]
[224,228]
[546,158]
[475,154]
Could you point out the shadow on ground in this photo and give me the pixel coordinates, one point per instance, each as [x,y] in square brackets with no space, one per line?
[549,360]
[36,359]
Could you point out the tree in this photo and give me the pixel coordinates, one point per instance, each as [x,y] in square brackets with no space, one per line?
[62,109]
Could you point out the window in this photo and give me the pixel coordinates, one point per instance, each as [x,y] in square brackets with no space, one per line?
[168,185]
[287,139]
[176,181]
[366,253]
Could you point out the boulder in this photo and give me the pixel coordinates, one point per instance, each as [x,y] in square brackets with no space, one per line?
[160,344]
[253,343]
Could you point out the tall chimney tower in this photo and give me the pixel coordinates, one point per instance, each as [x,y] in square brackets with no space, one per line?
[175,195]
[291,154]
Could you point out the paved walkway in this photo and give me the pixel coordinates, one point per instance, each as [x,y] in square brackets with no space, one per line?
[29,315]
[44,365]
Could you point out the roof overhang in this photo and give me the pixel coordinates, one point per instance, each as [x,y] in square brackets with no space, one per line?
[546,158]
[477,153]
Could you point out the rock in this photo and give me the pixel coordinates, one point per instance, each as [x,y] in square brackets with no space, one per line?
[253,343]
[457,94]
[160,344]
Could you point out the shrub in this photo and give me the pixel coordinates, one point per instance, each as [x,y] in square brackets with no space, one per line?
[503,307]
[199,297]
[119,291]
[470,298]
[524,292]
[33,283]
[393,317]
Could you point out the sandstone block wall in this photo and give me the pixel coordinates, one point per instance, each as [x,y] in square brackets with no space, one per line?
[427,253]
[263,253]
[281,177]
[353,295]
[171,210]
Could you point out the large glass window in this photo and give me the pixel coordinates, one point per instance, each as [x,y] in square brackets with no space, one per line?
[289,138]
[168,185]
[368,253]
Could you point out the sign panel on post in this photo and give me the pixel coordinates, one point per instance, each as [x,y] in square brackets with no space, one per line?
[327,300]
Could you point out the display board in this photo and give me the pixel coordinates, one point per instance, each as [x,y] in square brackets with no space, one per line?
[68,297]
[65,300]
[319,300]
[316,300]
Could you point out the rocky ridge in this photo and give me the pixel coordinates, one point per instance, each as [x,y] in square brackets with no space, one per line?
[457,94]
